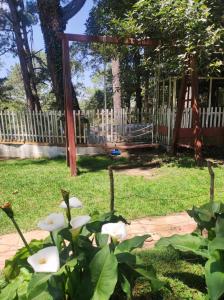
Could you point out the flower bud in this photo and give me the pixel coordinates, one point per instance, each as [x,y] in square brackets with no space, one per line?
[7,208]
[65,196]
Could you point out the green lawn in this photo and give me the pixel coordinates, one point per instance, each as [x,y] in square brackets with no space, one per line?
[33,187]
[183,276]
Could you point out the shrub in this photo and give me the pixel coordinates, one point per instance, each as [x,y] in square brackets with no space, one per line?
[207,242]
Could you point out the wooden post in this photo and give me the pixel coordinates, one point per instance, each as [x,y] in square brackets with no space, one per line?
[111,175]
[70,132]
[212,181]
[196,122]
[179,112]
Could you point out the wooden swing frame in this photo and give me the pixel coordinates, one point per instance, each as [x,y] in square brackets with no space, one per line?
[71,147]
[68,104]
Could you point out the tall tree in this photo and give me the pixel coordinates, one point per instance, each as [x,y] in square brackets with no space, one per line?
[53,19]
[102,21]
[15,19]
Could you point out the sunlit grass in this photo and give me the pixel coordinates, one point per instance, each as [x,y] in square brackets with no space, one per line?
[183,276]
[33,187]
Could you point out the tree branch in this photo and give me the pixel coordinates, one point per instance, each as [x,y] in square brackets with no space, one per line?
[72,8]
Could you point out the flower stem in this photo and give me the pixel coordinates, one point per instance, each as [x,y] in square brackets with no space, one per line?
[52,238]
[21,235]
[68,214]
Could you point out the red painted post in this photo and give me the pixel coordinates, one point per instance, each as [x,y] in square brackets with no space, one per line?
[70,132]
[179,113]
[196,122]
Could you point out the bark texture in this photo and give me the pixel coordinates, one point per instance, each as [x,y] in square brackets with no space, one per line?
[24,54]
[116,84]
[53,19]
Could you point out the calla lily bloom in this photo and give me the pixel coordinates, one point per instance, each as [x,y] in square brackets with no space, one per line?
[115,230]
[52,222]
[73,203]
[45,260]
[80,221]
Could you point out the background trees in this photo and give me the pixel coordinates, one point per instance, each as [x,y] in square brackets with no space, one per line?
[17,20]
[53,19]
[181,26]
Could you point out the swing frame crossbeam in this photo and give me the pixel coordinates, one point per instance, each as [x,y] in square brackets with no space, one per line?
[65,38]
[71,147]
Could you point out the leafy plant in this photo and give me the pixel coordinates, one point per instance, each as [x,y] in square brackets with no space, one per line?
[77,261]
[209,244]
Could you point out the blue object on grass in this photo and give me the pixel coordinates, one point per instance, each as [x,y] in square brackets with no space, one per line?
[115,152]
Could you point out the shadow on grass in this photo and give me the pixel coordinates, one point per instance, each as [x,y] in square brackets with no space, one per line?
[85,163]
[185,162]
[191,280]
[97,163]
[27,162]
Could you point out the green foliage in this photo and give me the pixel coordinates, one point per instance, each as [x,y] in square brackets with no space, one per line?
[182,27]
[210,220]
[88,270]
[15,94]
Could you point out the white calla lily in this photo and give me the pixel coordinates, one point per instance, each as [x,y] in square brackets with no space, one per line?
[73,203]
[80,221]
[45,260]
[115,230]
[52,222]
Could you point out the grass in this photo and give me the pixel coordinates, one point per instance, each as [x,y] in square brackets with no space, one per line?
[183,276]
[33,187]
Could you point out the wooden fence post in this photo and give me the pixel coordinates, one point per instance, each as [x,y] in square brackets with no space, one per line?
[111,175]
[212,181]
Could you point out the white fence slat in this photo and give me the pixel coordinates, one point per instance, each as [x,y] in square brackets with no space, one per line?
[223,118]
[219,116]
[103,125]
[207,116]
[215,117]
[203,118]
[211,117]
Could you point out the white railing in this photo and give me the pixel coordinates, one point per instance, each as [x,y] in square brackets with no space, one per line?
[102,126]
[94,127]
[211,117]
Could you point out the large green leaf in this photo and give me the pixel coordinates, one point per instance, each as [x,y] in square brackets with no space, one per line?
[149,273]
[46,286]
[219,227]
[103,271]
[186,243]
[38,287]
[126,258]
[131,244]
[101,239]
[216,244]
[205,215]
[10,291]
[214,275]
[17,288]
[125,285]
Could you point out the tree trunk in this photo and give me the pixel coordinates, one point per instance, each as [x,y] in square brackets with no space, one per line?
[25,57]
[138,88]
[116,84]
[146,103]
[52,19]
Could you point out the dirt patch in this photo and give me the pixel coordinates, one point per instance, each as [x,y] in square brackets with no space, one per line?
[145,172]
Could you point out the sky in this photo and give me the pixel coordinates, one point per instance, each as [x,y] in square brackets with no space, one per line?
[75,25]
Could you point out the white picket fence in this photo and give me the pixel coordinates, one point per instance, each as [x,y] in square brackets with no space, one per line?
[93,127]
[102,126]
[211,117]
